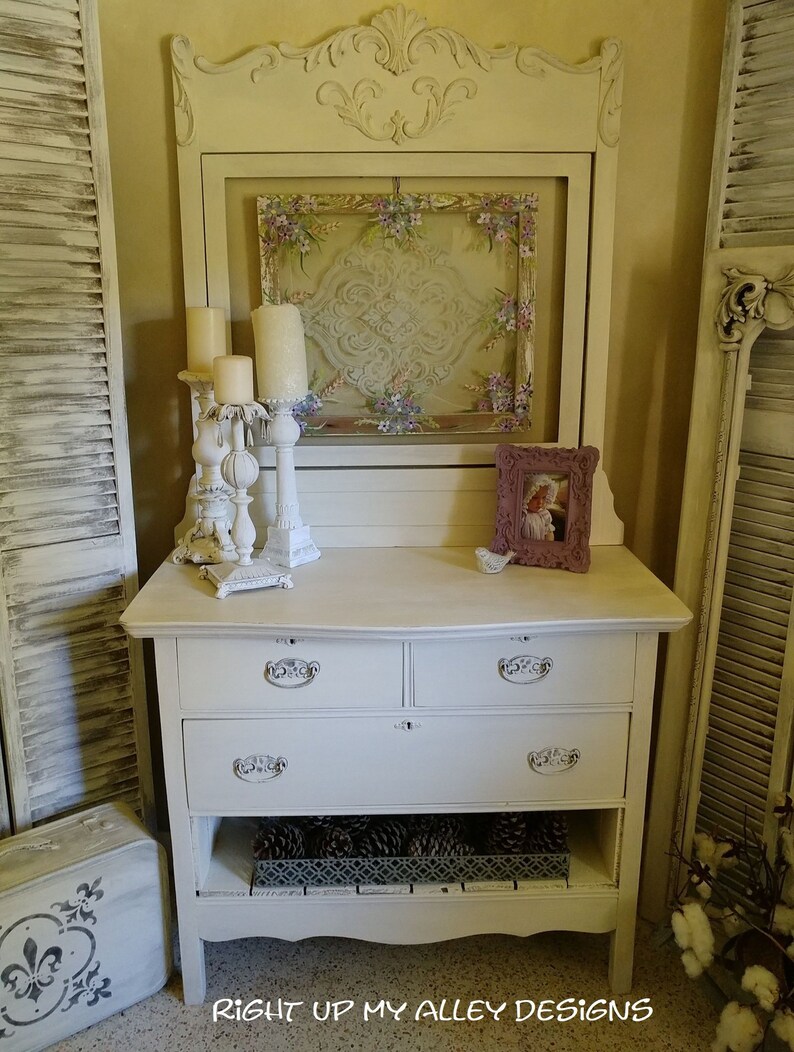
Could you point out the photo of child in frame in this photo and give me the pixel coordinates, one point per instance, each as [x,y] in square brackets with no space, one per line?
[544,497]
[544,507]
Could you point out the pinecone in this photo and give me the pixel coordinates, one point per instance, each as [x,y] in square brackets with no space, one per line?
[420,823]
[507,833]
[383,839]
[549,835]
[312,822]
[355,825]
[453,825]
[437,841]
[334,842]
[277,838]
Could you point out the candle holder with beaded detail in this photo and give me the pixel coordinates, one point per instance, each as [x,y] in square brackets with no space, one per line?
[208,540]
[240,470]
[288,540]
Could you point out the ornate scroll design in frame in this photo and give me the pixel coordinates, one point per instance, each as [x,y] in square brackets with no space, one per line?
[419,308]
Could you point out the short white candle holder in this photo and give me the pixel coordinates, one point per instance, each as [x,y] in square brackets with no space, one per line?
[208,540]
[240,470]
[289,542]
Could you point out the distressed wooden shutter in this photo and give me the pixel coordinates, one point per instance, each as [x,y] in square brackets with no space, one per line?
[748,746]
[73,712]
[732,736]
[748,742]
[758,203]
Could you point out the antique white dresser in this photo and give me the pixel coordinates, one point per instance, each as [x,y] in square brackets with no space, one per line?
[406,707]
[425,685]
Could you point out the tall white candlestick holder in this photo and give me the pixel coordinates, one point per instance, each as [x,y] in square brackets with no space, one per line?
[288,541]
[240,470]
[208,540]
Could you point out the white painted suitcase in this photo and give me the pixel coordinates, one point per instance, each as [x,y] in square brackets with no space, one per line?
[84,925]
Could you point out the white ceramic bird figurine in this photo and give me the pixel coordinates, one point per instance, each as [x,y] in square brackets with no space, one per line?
[490,562]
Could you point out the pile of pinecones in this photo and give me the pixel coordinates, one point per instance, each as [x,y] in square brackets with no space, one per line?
[398,836]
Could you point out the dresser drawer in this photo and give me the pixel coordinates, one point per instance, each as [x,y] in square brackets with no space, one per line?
[266,674]
[260,766]
[525,670]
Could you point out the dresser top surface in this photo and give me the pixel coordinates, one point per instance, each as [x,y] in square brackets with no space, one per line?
[400,592]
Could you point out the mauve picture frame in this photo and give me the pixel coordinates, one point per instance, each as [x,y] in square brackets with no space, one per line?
[544,496]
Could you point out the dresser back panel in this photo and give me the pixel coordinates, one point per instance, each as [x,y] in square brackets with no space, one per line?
[351,503]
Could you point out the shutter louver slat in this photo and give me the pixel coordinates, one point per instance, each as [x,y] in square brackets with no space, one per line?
[742,779]
[71,705]
[733,700]
[768,19]
[762,133]
[42,61]
[50,12]
[757,45]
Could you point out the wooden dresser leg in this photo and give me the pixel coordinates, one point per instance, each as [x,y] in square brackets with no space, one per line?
[621,959]
[194,976]
[621,955]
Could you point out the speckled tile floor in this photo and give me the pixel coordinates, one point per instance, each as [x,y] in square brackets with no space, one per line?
[496,968]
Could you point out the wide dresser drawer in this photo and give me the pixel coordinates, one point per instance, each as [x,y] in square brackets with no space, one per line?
[288,673]
[579,669]
[294,764]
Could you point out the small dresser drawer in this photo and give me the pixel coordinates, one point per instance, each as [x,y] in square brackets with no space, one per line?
[289,673]
[260,766]
[525,670]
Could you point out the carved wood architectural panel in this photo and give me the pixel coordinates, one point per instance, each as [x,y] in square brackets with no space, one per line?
[401,99]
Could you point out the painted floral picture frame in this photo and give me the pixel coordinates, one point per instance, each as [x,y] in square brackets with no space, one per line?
[544,500]
[419,308]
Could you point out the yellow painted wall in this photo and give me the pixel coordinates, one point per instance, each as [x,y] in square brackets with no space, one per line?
[673,53]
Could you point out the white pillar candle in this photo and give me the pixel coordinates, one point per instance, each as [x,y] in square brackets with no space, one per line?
[280,352]
[206,337]
[233,379]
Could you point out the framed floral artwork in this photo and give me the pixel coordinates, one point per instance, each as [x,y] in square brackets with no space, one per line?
[544,499]
[418,308]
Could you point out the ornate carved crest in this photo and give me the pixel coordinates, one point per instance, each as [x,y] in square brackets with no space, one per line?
[752,297]
[398,40]
[398,36]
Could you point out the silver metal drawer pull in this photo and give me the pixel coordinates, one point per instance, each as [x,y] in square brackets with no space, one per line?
[291,672]
[407,725]
[524,668]
[289,641]
[553,759]
[260,768]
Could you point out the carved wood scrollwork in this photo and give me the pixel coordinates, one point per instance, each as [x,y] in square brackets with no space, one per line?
[398,127]
[751,297]
[612,89]
[181,58]
[399,39]
[398,35]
